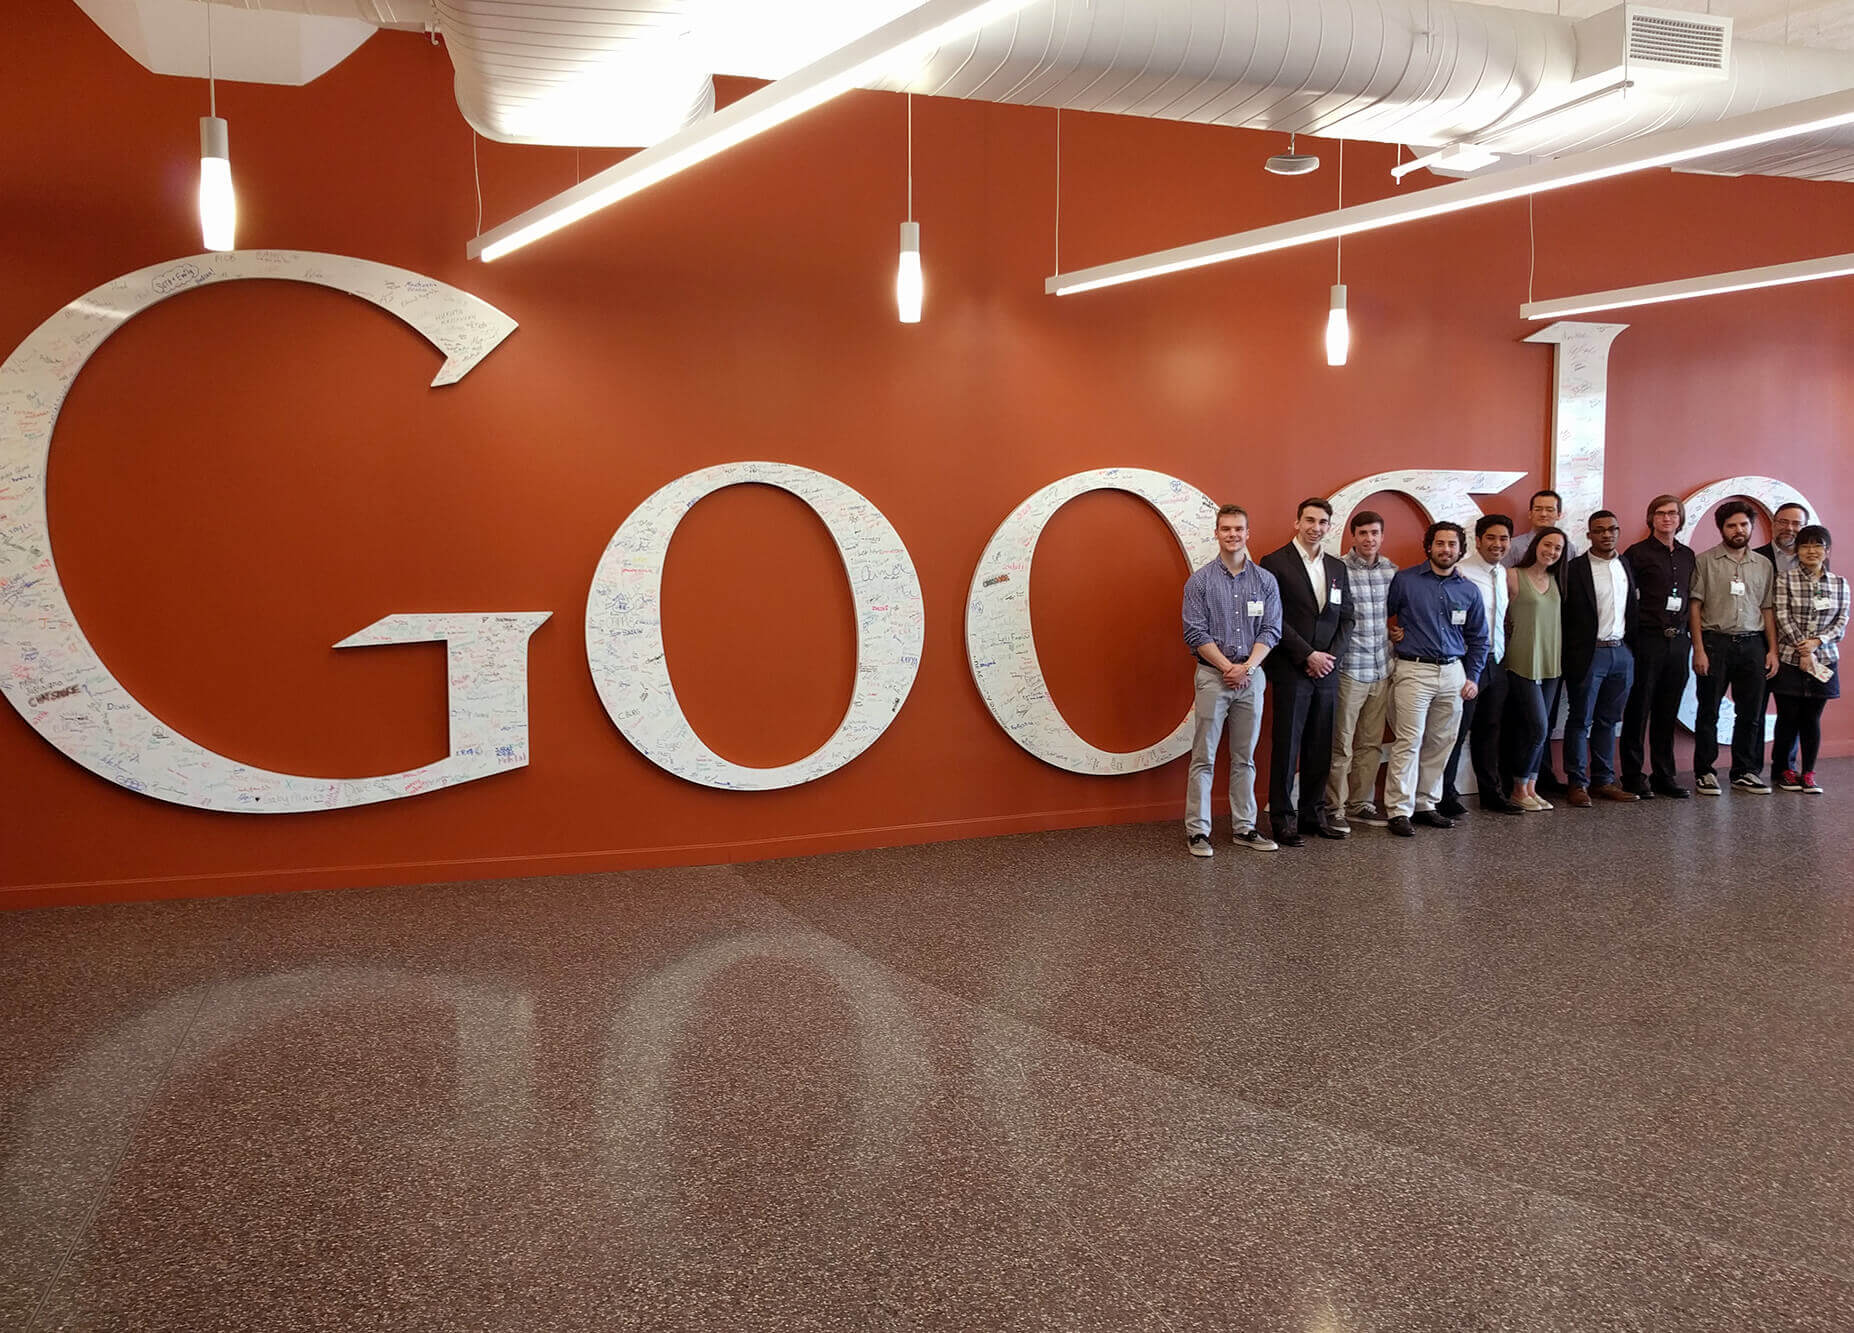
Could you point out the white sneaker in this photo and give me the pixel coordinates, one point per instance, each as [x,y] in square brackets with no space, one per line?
[1255,840]
[1199,845]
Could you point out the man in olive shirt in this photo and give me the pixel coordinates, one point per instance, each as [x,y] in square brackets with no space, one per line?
[1734,647]
[1661,641]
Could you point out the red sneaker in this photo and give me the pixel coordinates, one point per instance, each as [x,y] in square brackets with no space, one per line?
[1789,781]
[1810,785]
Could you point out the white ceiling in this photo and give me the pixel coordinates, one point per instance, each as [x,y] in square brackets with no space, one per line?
[1807,22]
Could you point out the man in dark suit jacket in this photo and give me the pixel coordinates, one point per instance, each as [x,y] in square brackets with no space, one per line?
[1785,523]
[1303,674]
[1599,606]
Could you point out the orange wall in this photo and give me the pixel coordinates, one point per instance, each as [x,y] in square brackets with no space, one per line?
[248,473]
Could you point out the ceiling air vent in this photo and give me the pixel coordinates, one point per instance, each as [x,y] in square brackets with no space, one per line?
[1654,45]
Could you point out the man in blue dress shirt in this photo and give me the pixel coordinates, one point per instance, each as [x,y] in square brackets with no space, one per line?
[1232,617]
[1440,652]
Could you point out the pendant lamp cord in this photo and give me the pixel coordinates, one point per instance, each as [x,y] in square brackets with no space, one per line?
[1339,241]
[212,87]
[477,171]
[1532,237]
[910,157]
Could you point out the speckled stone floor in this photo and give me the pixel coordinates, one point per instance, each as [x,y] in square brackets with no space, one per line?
[1584,1070]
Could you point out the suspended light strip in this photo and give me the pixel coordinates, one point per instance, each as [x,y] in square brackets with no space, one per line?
[1744,280]
[868,57]
[1654,150]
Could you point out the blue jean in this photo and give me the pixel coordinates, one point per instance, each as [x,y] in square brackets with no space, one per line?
[1597,701]
[1528,697]
[1240,711]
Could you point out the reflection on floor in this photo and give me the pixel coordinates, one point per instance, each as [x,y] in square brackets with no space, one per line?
[1588,1069]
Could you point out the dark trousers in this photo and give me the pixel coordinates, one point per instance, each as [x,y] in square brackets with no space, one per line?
[1798,719]
[1302,731]
[1480,736]
[1553,691]
[1531,733]
[1736,663]
[1597,699]
[1662,666]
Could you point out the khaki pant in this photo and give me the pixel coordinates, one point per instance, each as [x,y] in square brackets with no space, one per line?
[1358,743]
[1426,708]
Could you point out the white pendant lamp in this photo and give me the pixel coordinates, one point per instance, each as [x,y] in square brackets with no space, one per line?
[1338,329]
[909,287]
[218,205]
[1338,332]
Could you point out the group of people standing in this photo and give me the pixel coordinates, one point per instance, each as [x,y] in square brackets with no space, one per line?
[1473,650]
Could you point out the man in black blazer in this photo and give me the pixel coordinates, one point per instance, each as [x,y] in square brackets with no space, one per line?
[1785,523]
[1303,674]
[1599,606]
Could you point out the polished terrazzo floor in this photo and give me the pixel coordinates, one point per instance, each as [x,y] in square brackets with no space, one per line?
[1585,1070]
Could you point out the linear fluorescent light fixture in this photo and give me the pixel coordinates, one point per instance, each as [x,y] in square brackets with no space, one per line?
[869,56]
[1743,280]
[1662,149]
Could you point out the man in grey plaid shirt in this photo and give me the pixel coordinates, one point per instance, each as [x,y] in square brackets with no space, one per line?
[1364,681]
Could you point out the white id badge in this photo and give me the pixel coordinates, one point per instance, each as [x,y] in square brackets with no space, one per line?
[1673,601]
[1738,587]
[1334,596]
[1256,608]
[1458,617]
[1825,604]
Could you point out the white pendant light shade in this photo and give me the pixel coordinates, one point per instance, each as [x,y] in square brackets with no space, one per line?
[908,283]
[218,207]
[1338,331]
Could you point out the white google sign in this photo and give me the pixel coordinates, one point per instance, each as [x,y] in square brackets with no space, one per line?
[53,677]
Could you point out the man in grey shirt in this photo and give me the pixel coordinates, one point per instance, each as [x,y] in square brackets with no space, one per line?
[1734,647]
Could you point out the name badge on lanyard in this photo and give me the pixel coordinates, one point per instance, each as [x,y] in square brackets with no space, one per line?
[1823,602]
[1257,608]
[1738,587]
[1335,595]
[1458,616]
[1673,600]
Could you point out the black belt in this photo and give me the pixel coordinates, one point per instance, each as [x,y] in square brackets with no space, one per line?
[1735,633]
[1609,643]
[1675,632]
[1427,661]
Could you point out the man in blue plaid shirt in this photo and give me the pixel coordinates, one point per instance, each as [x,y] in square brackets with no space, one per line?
[1364,681]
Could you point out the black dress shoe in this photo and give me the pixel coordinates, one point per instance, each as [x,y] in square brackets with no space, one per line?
[1325,829]
[1499,805]
[1288,837]
[1452,807]
[1432,819]
[1672,790]
[1400,827]
[1638,788]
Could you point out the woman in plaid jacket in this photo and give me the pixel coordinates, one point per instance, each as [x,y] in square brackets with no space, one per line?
[1812,615]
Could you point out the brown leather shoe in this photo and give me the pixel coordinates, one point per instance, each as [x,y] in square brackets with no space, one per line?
[1609,791]
[1578,797]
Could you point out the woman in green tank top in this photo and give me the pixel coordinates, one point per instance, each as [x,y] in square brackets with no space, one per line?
[1535,651]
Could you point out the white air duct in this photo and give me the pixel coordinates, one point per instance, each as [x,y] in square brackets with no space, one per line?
[1429,73]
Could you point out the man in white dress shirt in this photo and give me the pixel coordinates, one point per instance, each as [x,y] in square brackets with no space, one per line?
[1599,606]
[1480,716]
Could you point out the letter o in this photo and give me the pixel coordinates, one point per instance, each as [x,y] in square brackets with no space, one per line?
[1770,495]
[1001,647]
[624,626]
